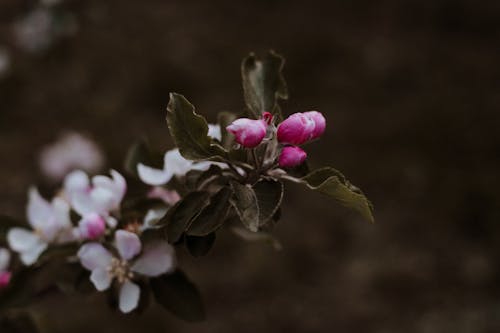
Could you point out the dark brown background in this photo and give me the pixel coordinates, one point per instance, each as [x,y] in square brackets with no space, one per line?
[411,93]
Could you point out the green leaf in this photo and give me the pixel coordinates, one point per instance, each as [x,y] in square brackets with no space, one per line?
[180,215]
[213,215]
[200,246]
[190,130]
[245,203]
[269,195]
[263,83]
[332,183]
[225,119]
[179,296]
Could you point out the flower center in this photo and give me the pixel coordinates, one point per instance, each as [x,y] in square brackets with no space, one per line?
[120,270]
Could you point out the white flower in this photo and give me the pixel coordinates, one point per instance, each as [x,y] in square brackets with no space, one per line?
[170,197]
[101,196]
[70,152]
[173,165]
[156,259]
[50,222]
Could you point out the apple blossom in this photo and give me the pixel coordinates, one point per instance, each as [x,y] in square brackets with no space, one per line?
[291,156]
[296,129]
[173,165]
[248,132]
[50,222]
[157,258]
[92,226]
[72,151]
[170,197]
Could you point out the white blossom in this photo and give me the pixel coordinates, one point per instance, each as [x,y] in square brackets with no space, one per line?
[157,258]
[50,222]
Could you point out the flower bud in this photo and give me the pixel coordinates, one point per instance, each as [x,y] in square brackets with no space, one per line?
[92,226]
[5,279]
[296,129]
[319,123]
[248,132]
[291,156]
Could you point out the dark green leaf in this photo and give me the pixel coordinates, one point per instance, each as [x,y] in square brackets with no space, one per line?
[269,195]
[245,203]
[263,83]
[332,183]
[200,246]
[213,215]
[178,217]
[138,153]
[179,296]
[190,130]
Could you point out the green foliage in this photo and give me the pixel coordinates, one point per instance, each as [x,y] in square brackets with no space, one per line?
[190,130]
[269,195]
[263,83]
[178,295]
[245,203]
[332,183]
[212,216]
[200,246]
[182,213]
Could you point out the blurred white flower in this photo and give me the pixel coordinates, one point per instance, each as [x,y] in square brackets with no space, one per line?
[5,274]
[50,222]
[173,165]
[70,152]
[170,197]
[157,258]
[101,196]
[33,32]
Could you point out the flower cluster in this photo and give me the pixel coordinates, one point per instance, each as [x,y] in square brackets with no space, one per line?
[225,175]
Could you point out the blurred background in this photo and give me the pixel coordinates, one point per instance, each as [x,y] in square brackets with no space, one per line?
[411,92]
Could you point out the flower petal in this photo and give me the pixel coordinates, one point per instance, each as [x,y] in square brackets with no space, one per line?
[31,255]
[39,210]
[103,200]
[93,256]
[22,239]
[176,164]
[76,181]
[82,203]
[128,244]
[214,131]
[152,176]
[157,258]
[152,217]
[129,296]
[61,212]
[101,278]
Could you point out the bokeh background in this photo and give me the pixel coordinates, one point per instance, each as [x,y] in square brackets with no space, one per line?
[411,91]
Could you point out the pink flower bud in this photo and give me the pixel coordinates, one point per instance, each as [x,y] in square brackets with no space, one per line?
[92,226]
[5,279]
[319,123]
[248,132]
[296,129]
[291,156]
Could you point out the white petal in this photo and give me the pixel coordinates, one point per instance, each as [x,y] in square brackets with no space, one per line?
[153,216]
[4,259]
[157,258]
[76,181]
[22,239]
[111,221]
[120,187]
[214,131]
[103,200]
[39,210]
[82,203]
[93,256]
[176,164]
[128,244]
[61,212]
[129,296]
[101,278]
[30,256]
[152,176]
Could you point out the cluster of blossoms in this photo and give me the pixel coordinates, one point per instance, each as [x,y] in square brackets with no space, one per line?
[228,174]
[296,130]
